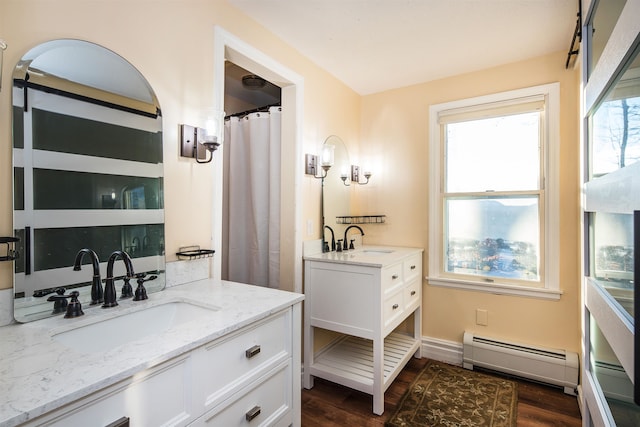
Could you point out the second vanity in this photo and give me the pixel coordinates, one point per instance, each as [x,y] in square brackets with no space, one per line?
[365,295]
[205,353]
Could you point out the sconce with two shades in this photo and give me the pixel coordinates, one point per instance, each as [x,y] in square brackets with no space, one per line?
[327,159]
[200,143]
[355,176]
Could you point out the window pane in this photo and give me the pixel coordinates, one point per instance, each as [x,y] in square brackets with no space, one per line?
[494,237]
[494,154]
[94,191]
[140,240]
[613,380]
[613,252]
[615,135]
[67,134]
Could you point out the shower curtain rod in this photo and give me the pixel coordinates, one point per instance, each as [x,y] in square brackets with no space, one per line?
[255,110]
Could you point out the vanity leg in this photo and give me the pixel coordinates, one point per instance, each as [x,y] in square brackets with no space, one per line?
[308,352]
[378,376]
[417,330]
[296,328]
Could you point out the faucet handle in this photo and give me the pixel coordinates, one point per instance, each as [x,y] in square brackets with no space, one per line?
[43,292]
[73,307]
[127,289]
[141,292]
[351,246]
[339,246]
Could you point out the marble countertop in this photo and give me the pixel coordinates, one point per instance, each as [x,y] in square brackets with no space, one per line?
[39,374]
[371,256]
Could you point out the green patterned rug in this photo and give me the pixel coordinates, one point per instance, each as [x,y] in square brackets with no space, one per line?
[451,396]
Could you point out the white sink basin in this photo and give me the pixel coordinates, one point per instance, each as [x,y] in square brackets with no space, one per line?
[116,331]
[376,251]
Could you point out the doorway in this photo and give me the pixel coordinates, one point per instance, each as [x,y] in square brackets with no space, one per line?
[229,48]
[251,188]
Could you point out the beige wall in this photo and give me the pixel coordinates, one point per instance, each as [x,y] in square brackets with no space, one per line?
[395,140]
[171,43]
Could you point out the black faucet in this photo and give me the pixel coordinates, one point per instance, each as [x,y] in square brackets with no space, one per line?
[345,247]
[325,246]
[110,299]
[96,284]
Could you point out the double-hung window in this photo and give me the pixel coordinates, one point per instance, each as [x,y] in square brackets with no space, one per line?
[493,193]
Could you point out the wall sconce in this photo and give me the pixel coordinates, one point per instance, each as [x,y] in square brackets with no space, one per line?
[311,161]
[355,176]
[196,142]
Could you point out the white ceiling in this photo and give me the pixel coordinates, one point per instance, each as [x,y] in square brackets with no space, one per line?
[376,45]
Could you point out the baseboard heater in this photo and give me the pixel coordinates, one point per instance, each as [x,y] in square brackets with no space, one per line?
[550,366]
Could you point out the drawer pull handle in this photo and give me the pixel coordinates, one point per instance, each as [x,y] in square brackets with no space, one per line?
[413,293]
[252,413]
[120,422]
[394,277]
[395,306]
[413,267]
[252,351]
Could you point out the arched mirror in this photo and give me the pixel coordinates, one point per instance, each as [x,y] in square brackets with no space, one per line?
[336,196]
[88,172]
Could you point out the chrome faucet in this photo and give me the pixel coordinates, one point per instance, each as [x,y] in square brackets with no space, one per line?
[110,299]
[96,284]
[345,247]
[325,245]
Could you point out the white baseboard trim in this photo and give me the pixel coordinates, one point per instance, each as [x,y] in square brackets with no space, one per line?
[442,350]
[580,400]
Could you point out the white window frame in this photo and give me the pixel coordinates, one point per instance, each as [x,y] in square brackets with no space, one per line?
[551,180]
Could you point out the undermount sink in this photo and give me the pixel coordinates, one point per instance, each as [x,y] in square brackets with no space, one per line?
[376,251]
[125,328]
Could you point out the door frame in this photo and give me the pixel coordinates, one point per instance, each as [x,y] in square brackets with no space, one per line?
[229,47]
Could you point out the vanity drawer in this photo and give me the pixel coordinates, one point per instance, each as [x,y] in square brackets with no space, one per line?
[412,267]
[159,396]
[391,278]
[227,365]
[266,403]
[413,294]
[392,307]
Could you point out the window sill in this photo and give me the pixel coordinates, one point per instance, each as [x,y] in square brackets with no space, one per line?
[495,288]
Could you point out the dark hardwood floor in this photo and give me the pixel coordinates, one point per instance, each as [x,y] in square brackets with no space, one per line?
[328,404]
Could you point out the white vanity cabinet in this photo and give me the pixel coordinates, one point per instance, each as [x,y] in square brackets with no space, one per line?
[364,295]
[244,378]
